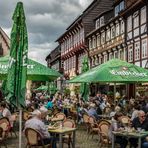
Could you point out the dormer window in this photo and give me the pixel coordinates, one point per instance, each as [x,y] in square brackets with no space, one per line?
[97,23]
[119,8]
[101,21]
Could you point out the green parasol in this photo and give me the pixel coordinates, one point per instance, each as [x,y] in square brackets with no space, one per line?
[84,88]
[35,70]
[17,69]
[42,88]
[116,71]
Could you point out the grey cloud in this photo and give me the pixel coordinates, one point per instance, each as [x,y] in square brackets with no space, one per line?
[46,19]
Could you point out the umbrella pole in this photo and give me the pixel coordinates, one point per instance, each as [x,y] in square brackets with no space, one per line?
[20,127]
[114,91]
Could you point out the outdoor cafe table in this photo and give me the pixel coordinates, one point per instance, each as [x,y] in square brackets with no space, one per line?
[138,135]
[61,132]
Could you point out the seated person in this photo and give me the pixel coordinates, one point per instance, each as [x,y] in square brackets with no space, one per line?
[5,111]
[117,125]
[139,122]
[92,111]
[36,123]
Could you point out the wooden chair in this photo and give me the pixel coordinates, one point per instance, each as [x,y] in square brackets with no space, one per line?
[5,125]
[103,131]
[93,126]
[60,116]
[2,138]
[125,120]
[33,137]
[86,121]
[67,138]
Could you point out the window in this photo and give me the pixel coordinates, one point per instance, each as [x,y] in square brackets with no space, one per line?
[105,58]
[97,23]
[112,32]
[110,55]
[129,23]
[136,19]
[130,53]
[144,48]
[94,42]
[143,15]
[108,35]
[117,10]
[98,40]
[115,54]
[90,44]
[122,6]
[137,50]
[102,21]
[117,29]
[122,26]
[103,38]
[121,54]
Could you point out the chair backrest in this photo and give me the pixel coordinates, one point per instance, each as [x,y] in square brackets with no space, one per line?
[104,128]
[26,115]
[104,121]
[60,116]
[86,118]
[32,136]
[5,123]
[69,123]
[91,120]
[124,119]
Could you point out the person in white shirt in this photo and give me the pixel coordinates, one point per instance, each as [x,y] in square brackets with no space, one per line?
[36,123]
[5,111]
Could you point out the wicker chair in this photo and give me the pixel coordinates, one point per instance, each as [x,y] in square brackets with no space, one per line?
[33,137]
[2,137]
[60,116]
[67,138]
[93,126]
[125,120]
[5,125]
[86,121]
[103,131]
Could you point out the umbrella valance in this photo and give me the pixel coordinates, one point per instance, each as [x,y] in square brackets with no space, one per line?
[116,71]
[35,70]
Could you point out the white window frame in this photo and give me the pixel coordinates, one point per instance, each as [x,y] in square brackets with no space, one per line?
[105,58]
[108,34]
[137,50]
[94,42]
[130,53]
[113,34]
[97,23]
[103,37]
[144,50]
[129,23]
[117,29]
[101,21]
[136,19]
[143,15]
[98,40]
[116,55]
[90,44]
[122,27]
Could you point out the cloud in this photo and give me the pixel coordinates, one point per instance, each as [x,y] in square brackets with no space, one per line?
[46,20]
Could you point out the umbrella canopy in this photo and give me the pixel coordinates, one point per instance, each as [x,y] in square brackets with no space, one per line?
[42,88]
[84,88]
[116,71]
[35,70]
[17,69]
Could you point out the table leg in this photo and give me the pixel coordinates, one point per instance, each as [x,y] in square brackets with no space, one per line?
[113,141]
[139,142]
[60,141]
[74,139]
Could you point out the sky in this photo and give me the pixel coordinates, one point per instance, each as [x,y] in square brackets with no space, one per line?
[46,21]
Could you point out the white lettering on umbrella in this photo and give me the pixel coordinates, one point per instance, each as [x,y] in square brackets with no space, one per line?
[128,73]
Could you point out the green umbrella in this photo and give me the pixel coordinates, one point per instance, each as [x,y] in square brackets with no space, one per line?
[35,70]
[116,71]
[17,69]
[42,88]
[84,88]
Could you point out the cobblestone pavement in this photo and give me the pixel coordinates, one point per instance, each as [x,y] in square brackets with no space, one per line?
[82,140]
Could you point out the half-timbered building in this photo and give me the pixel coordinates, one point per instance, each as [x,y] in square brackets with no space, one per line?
[73,42]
